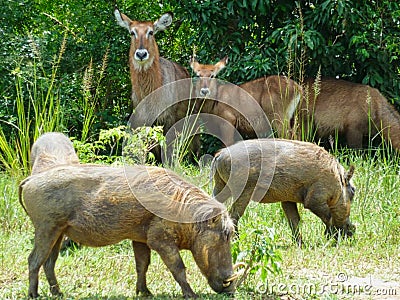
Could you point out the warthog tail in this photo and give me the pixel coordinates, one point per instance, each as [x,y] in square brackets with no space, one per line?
[21,185]
[213,170]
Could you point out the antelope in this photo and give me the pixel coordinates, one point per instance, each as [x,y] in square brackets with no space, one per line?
[352,110]
[149,72]
[277,97]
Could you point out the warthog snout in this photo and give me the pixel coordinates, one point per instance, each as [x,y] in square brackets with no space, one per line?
[226,286]
[346,230]
[229,284]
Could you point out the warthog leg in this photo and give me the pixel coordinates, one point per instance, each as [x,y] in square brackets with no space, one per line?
[315,201]
[293,217]
[169,253]
[142,260]
[49,267]
[45,240]
[239,206]
[221,191]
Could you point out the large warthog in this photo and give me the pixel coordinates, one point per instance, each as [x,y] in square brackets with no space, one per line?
[52,149]
[153,207]
[290,172]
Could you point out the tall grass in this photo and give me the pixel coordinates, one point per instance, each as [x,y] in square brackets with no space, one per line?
[184,143]
[38,110]
[90,87]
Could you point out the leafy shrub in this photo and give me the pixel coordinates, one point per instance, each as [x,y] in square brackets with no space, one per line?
[121,145]
[255,246]
[356,41]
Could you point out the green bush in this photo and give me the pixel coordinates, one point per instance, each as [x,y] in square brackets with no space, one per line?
[121,145]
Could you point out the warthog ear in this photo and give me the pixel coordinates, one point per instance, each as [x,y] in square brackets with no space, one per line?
[122,19]
[350,173]
[163,22]
[214,220]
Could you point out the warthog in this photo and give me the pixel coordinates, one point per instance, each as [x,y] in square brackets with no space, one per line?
[289,172]
[101,205]
[52,149]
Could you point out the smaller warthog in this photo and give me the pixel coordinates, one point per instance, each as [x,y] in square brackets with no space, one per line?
[52,149]
[101,205]
[286,171]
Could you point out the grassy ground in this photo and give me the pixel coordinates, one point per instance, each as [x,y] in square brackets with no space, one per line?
[365,267]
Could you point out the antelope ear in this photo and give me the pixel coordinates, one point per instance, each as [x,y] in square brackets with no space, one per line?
[194,64]
[163,22]
[122,19]
[220,65]
[350,173]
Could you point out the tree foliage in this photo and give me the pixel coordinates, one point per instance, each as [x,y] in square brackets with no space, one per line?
[355,40]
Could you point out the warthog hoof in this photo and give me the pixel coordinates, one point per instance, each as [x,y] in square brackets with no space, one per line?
[55,290]
[143,292]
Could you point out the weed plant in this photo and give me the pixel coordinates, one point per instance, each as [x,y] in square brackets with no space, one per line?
[38,109]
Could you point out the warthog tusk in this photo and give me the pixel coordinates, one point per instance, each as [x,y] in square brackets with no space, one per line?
[227,282]
[239,264]
[230,279]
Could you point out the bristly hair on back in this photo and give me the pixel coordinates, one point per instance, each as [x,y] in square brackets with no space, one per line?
[190,202]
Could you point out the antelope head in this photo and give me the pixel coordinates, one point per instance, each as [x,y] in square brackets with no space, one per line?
[144,49]
[206,84]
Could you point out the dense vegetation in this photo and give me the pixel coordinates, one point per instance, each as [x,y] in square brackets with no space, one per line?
[64,67]
[356,41]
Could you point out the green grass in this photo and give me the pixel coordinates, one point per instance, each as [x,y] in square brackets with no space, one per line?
[109,272]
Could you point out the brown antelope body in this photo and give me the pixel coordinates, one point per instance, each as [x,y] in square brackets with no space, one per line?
[286,171]
[102,205]
[350,109]
[278,97]
[150,72]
